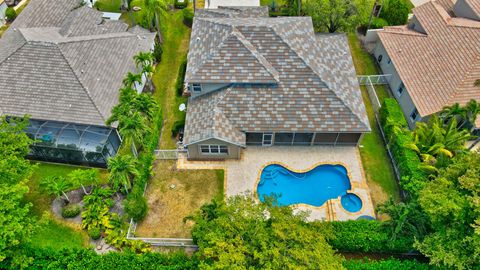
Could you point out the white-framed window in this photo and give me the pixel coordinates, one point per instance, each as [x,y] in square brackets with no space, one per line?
[401,89]
[197,87]
[414,115]
[214,149]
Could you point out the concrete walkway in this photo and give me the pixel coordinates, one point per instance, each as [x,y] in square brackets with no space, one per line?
[242,175]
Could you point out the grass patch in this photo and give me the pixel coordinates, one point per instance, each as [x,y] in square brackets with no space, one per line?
[53,234]
[108,5]
[375,160]
[169,206]
[40,200]
[176,37]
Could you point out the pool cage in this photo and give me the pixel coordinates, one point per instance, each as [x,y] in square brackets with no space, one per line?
[72,143]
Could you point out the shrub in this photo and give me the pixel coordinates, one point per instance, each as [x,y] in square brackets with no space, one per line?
[70,210]
[187,17]
[157,52]
[177,126]
[95,233]
[181,78]
[136,206]
[391,263]
[181,4]
[10,14]
[378,23]
[395,12]
[364,236]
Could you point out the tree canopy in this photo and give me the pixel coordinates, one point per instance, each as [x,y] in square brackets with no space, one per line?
[332,15]
[242,234]
[452,203]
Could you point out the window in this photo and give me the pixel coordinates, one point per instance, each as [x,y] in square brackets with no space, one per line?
[400,89]
[389,61]
[254,138]
[303,139]
[197,87]
[214,149]
[379,58]
[414,115]
[283,138]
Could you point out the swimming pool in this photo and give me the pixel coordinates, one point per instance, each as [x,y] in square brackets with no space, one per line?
[315,187]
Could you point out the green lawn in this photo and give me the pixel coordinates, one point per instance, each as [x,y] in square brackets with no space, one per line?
[175,48]
[108,5]
[53,232]
[377,166]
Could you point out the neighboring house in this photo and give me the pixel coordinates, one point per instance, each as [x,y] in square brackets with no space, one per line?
[63,65]
[260,81]
[3,9]
[435,59]
[231,3]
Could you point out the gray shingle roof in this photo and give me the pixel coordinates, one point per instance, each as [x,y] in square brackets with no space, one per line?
[69,71]
[314,87]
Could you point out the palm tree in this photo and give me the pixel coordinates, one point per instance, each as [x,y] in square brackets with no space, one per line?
[394,128]
[455,111]
[472,109]
[154,10]
[84,178]
[122,170]
[130,80]
[56,185]
[148,71]
[124,107]
[133,128]
[143,59]
[146,105]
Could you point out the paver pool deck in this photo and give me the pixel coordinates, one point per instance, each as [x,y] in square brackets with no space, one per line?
[242,175]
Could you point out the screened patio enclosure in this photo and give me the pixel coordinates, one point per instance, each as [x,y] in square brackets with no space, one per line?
[301,138]
[72,143]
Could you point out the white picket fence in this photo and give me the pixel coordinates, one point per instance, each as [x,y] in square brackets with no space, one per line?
[369,81]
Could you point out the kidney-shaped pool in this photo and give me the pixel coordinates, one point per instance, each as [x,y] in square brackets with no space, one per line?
[314,187]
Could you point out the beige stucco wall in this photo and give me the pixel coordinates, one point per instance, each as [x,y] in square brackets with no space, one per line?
[404,99]
[207,88]
[194,150]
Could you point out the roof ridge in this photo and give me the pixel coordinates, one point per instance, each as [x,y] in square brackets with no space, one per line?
[467,74]
[80,82]
[260,58]
[319,76]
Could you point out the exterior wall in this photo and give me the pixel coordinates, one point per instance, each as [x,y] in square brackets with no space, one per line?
[417,26]
[207,88]
[462,9]
[194,150]
[395,82]
[3,9]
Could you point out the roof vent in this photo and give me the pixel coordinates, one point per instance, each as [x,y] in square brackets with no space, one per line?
[198,39]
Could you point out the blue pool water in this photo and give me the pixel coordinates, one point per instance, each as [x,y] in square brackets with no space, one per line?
[314,187]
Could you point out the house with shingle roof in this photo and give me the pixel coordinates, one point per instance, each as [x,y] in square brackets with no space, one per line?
[260,81]
[434,61]
[63,65]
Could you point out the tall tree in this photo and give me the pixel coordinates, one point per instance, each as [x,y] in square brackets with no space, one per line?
[84,178]
[143,59]
[146,105]
[452,203]
[133,128]
[122,170]
[154,10]
[243,234]
[131,79]
[332,15]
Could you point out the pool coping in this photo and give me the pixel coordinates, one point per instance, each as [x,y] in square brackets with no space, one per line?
[353,185]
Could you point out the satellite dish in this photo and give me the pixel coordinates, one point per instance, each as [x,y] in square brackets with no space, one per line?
[182,107]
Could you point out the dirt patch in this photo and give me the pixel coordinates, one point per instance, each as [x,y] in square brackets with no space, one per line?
[173,195]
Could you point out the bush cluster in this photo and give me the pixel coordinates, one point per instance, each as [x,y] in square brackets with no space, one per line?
[70,210]
[181,5]
[88,259]
[378,23]
[364,236]
[187,17]
[395,12]
[177,126]
[95,233]
[385,264]
[10,14]
[407,160]
[157,52]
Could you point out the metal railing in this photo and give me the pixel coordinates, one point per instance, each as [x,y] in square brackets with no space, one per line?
[168,154]
[374,79]
[167,242]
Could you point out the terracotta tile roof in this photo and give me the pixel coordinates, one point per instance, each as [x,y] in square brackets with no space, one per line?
[298,81]
[438,68]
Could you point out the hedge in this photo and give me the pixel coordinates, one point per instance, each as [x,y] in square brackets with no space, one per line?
[135,205]
[10,14]
[88,259]
[363,236]
[386,265]
[181,78]
[188,17]
[408,161]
